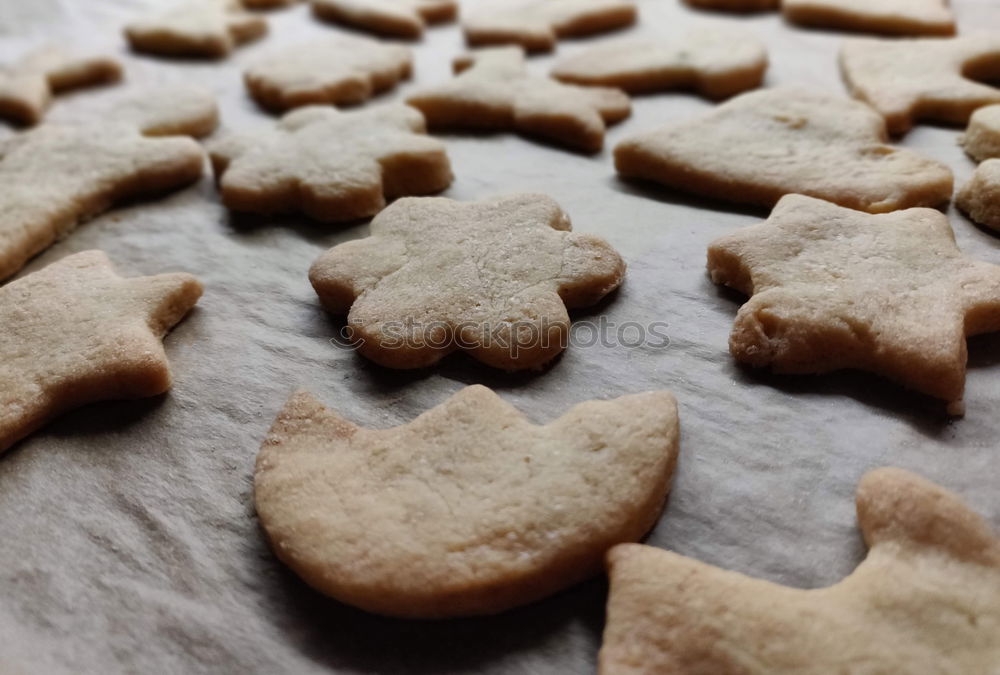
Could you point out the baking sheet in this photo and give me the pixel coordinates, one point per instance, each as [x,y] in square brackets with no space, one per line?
[129,542]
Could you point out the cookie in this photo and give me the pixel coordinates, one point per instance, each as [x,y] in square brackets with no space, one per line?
[735,5]
[26,87]
[907,80]
[494,92]
[716,62]
[980,197]
[982,137]
[834,288]
[75,333]
[57,175]
[396,18]
[268,4]
[335,70]
[469,509]
[535,25]
[196,28]
[765,144]
[887,17]
[166,110]
[329,165]
[926,599]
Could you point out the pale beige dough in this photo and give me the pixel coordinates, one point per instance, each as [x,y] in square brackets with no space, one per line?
[468,509]
[536,25]
[834,288]
[980,197]
[492,278]
[396,18]
[982,137]
[765,144]
[337,70]
[887,17]
[196,28]
[717,62]
[926,599]
[932,79]
[736,5]
[330,165]
[75,333]
[495,92]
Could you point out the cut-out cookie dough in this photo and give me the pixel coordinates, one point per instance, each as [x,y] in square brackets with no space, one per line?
[922,79]
[926,599]
[334,70]
[57,175]
[887,17]
[26,87]
[834,288]
[735,5]
[75,333]
[494,91]
[765,144]
[716,62]
[536,25]
[980,197]
[493,278]
[198,28]
[469,509]
[397,18]
[332,166]
[982,137]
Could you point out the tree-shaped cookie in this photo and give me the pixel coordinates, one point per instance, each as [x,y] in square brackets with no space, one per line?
[535,25]
[27,86]
[926,599]
[196,28]
[717,62]
[922,79]
[56,175]
[75,332]
[468,509]
[397,18]
[834,288]
[329,165]
[336,70]
[494,91]
[887,17]
[493,278]
[765,144]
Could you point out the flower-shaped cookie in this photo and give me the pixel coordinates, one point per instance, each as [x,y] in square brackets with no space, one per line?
[398,18]
[537,24]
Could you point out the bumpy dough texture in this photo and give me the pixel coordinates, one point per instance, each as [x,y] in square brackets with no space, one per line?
[925,600]
[834,288]
[75,332]
[469,509]
[982,137]
[330,165]
[57,175]
[922,79]
[26,87]
[397,18]
[536,25]
[736,5]
[335,70]
[493,278]
[980,197]
[887,17]
[197,28]
[494,91]
[716,62]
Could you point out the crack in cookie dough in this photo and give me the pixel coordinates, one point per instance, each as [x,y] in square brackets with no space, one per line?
[888,17]
[198,28]
[536,25]
[397,18]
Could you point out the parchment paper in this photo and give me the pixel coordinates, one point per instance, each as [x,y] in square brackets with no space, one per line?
[128,541]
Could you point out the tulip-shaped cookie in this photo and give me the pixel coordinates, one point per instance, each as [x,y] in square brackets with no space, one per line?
[765,144]
[468,509]
[888,17]
[925,600]
[196,28]
[75,332]
[493,278]
[332,166]
[494,91]
[397,18]
[834,288]
[537,24]
[922,79]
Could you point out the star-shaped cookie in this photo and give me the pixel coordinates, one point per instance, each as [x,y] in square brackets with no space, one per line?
[716,61]
[888,17]
[75,332]
[535,25]
[397,18]
[330,165]
[335,70]
[493,278]
[764,144]
[494,91]
[980,197]
[196,28]
[834,288]
[26,87]
[468,509]
[930,79]
[926,599]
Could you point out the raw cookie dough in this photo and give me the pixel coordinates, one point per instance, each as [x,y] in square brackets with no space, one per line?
[888,17]
[980,197]
[398,18]
[535,25]
[196,28]
[982,137]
